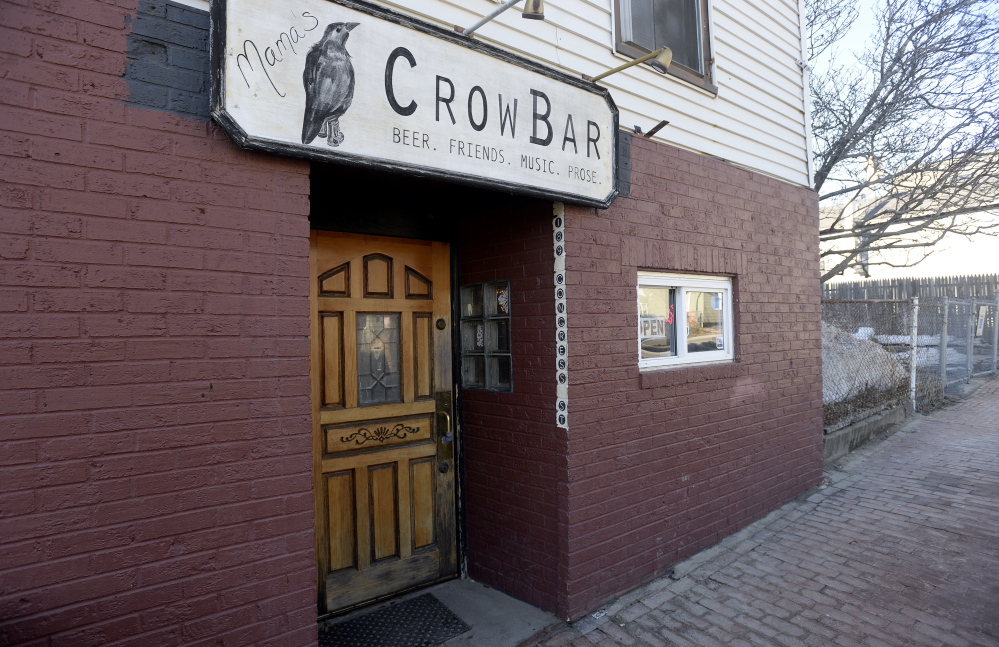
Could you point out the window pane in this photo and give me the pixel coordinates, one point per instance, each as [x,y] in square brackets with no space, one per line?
[677,26]
[473,336]
[497,297]
[642,24]
[498,335]
[473,372]
[378,359]
[471,301]
[656,321]
[705,321]
[499,373]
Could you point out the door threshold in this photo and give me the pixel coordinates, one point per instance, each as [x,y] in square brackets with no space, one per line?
[494,618]
[364,607]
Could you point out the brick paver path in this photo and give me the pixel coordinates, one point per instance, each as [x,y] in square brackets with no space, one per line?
[901,548]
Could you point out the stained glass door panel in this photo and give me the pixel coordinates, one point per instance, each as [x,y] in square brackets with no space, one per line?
[378,377]
[382,437]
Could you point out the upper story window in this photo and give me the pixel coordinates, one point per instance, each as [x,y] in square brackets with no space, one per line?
[682,25]
[683,319]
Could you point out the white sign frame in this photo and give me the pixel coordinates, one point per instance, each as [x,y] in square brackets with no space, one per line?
[261,117]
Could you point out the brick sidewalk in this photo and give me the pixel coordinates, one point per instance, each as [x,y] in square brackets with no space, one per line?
[901,548]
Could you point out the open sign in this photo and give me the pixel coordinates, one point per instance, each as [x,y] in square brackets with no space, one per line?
[651,326]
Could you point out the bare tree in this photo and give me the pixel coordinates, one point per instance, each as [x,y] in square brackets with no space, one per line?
[828,22]
[907,136]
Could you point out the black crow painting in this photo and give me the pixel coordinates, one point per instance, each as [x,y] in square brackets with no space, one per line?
[329,84]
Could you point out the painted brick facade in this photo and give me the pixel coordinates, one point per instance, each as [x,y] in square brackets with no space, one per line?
[155,480]
[513,453]
[662,464]
[155,484]
[656,465]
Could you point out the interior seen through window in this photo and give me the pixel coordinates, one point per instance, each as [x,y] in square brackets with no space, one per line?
[683,319]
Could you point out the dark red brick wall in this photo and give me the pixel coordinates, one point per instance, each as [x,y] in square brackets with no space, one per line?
[155,479]
[514,456]
[663,464]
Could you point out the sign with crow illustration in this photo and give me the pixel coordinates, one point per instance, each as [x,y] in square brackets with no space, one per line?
[350,82]
[329,84]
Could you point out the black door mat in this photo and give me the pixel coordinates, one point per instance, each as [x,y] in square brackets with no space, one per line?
[420,622]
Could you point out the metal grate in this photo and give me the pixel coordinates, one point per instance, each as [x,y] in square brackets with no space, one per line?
[420,622]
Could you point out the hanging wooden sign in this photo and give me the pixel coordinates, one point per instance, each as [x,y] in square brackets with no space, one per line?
[347,81]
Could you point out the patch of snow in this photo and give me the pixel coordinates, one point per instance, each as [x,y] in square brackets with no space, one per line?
[930,356]
[851,365]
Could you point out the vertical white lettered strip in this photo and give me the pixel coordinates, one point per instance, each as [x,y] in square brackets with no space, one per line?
[561,327]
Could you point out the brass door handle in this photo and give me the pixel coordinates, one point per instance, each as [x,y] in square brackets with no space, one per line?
[448,436]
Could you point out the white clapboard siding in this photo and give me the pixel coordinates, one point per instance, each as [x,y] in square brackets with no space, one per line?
[756,120]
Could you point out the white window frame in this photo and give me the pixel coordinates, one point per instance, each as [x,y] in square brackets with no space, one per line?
[682,283]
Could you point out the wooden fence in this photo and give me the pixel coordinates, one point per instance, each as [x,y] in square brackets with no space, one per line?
[981,286]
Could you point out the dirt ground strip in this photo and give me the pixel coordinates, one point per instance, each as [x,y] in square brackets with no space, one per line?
[900,548]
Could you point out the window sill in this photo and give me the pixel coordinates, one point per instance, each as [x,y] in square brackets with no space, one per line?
[627,51]
[482,389]
[652,378]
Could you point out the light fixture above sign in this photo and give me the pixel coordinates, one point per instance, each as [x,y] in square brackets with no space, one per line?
[351,82]
[533,10]
[660,62]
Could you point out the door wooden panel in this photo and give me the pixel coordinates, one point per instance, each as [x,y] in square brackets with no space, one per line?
[423,350]
[421,477]
[384,511]
[343,530]
[382,411]
[332,336]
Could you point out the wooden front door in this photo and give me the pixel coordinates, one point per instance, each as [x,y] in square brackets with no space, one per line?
[382,416]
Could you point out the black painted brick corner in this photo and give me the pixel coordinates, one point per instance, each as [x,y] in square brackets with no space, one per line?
[623,163]
[168,63]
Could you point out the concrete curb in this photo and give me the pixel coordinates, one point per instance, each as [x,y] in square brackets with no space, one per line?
[841,442]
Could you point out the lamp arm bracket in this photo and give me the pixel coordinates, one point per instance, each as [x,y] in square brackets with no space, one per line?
[489,16]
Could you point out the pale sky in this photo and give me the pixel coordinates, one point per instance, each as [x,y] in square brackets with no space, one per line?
[956,256]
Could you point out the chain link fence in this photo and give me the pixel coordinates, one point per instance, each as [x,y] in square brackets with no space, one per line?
[881,354]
